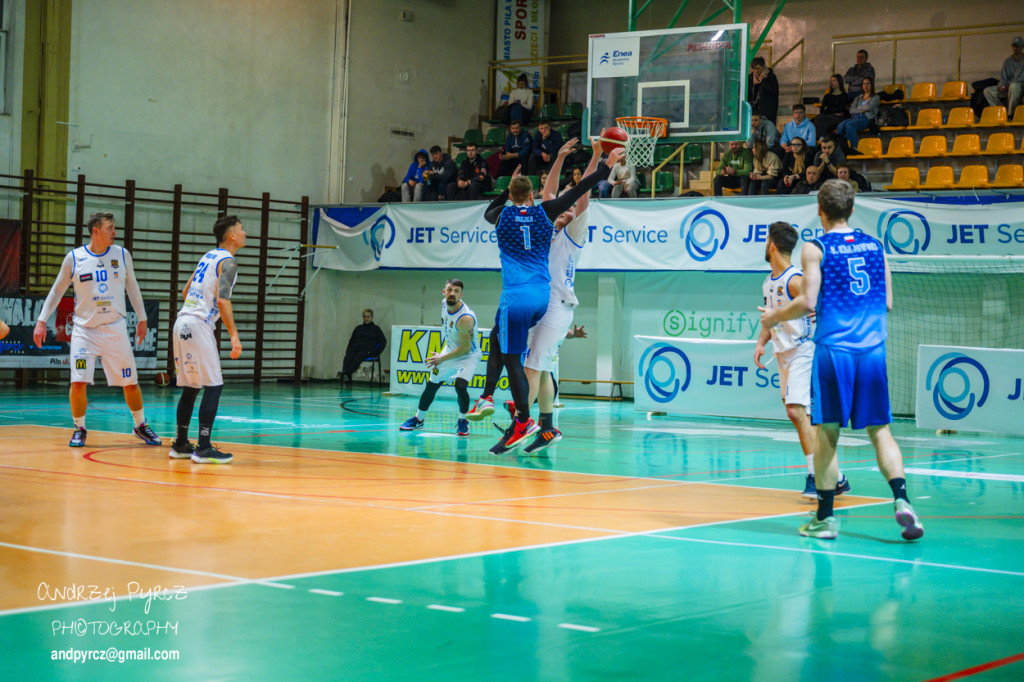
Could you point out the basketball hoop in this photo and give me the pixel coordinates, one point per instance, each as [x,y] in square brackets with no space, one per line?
[643,132]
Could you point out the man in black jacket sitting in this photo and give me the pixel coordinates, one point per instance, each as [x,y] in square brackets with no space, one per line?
[367,341]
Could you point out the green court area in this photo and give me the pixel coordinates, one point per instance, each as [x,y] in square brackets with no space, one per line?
[743,599]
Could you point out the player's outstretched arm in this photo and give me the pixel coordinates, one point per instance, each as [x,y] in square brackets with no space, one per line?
[584,201]
[61,284]
[561,204]
[226,278]
[131,287]
[555,172]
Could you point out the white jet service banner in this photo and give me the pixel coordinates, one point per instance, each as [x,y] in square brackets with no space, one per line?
[970,389]
[645,234]
[704,377]
[412,345]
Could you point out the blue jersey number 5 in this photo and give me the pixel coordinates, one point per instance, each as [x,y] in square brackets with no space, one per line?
[861,283]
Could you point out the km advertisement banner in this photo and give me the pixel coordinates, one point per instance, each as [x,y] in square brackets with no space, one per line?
[656,235]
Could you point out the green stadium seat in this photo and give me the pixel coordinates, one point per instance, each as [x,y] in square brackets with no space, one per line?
[694,153]
[495,138]
[471,135]
[500,185]
[548,112]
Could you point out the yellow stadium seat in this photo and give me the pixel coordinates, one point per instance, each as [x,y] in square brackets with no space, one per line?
[1018,117]
[869,148]
[932,146]
[967,144]
[922,92]
[1009,177]
[891,89]
[960,117]
[953,91]
[999,143]
[927,118]
[900,148]
[939,177]
[907,178]
[973,177]
[993,116]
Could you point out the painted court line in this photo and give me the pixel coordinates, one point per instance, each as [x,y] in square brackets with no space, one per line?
[505,616]
[967,672]
[581,628]
[329,593]
[384,600]
[450,609]
[966,474]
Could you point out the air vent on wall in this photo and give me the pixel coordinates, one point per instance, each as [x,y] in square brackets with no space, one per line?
[402,134]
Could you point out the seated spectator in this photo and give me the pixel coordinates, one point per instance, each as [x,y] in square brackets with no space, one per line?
[439,175]
[763,90]
[863,112]
[516,151]
[367,341]
[546,144]
[520,102]
[829,157]
[413,184]
[734,172]
[833,109]
[798,127]
[860,183]
[472,179]
[622,178]
[1011,79]
[762,129]
[767,166]
[538,192]
[856,74]
[575,175]
[811,183]
[794,164]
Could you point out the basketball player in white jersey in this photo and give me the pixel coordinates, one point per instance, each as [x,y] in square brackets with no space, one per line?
[793,343]
[547,336]
[196,356]
[101,273]
[457,360]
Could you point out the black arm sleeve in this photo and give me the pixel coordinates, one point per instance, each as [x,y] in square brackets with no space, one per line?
[553,207]
[493,211]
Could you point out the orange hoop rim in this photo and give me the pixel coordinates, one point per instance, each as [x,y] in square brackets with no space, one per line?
[657,127]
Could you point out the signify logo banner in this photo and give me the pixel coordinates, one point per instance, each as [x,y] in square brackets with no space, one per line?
[958,383]
[691,323]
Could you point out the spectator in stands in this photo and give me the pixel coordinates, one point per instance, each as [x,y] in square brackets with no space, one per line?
[472,179]
[762,129]
[765,175]
[798,127]
[734,171]
[516,151]
[413,184]
[860,183]
[811,183]
[546,144]
[439,175]
[834,104]
[622,178]
[520,101]
[856,74]
[829,157]
[575,175]
[763,90]
[542,180]
[794,164]
[863,112]
[367,341]
[1011,79]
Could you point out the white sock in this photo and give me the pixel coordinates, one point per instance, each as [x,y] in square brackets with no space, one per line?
[79,422]
[810,463]
[139,416]
[419,414]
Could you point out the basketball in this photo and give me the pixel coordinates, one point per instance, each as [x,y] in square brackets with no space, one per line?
[613,138]
[162,379]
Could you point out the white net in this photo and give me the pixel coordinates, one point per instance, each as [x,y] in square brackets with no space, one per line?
[643,137]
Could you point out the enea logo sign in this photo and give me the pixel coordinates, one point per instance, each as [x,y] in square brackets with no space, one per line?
[705,232]
[903,232]
[380,236]
[616,57]
[666,372]
[954,380]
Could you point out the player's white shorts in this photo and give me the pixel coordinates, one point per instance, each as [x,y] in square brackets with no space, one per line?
[196,356]
[107,341]
[795,367]
[460,368]
[546,338]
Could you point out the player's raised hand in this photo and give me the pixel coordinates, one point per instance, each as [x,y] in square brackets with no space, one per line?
[39,334]
[577,332]
[596,143]
[517,170]
[236,347]
[567,148]
[614,156]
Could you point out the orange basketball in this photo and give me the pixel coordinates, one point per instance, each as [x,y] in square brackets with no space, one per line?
[613,138]
[162,379]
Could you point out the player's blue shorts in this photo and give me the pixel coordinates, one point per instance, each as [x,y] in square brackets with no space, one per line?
[519,309]
[850,386]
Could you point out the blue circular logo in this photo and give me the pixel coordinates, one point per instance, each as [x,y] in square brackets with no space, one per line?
[380,236]
[950,381]
[701,230]
[903,232]
[661,366]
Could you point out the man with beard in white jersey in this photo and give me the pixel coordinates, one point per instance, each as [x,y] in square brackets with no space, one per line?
[457,360]
[793,343]
[196,357]
[100,273]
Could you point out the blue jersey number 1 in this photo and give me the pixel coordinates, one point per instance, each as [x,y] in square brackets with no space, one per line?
[526,236]
[861,283]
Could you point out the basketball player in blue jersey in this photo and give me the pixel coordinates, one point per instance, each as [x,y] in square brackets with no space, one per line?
[847,281]
[524,234]
[457,360]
